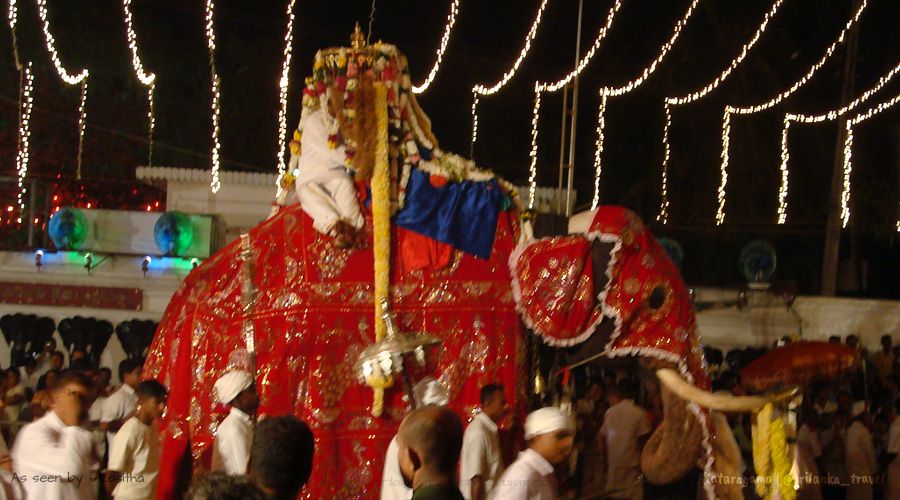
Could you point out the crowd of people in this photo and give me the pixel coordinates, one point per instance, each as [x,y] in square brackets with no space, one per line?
[75,435]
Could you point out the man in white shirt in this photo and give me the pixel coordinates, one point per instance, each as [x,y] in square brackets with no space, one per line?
[549,434]
[119,407]
[55,450]
[231,447]
[893,450]
[14,397]
[809,449]
[625,426]
[481,463]
[428,392]
[134,453]
[862,464]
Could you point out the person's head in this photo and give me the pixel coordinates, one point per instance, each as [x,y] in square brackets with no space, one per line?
[550,433]
[430,440]
[852,341]
[845,401]
[130,371]
[594,391]
[151,400]
[56,360]
[834,339]
[13,377]
[104,376]
[77,354]
[70,397]
[30,365]
[281,456]
[625,389]
[238,389]
[886,342]
[51,378]
[493,401]
[82,364]
[221,486]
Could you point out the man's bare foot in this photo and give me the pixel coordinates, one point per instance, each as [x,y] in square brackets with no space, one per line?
[343,237]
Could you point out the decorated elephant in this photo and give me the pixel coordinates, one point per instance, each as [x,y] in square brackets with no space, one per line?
[298,298]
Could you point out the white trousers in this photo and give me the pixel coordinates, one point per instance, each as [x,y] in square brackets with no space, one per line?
[330,201]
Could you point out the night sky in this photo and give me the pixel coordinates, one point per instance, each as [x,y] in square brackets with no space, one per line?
[487,38]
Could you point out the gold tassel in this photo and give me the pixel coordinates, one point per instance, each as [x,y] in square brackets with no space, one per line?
[381,224]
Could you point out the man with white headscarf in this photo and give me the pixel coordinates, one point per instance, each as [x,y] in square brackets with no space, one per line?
[549,433]
[428,392]
[231,447]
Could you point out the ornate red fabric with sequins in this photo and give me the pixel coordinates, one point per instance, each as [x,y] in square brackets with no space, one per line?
[308,308]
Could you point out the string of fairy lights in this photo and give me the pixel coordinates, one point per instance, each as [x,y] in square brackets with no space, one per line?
[486,90]
[148,80]
[540,87]
[69,78]
[828,116]
[214,183]
[283,85]
[848,154]
[774,101]
[607,92]
[26,104]
[668,102]
[445,40]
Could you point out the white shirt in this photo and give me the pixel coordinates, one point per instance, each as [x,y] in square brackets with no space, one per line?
[893,470]
[12,411]
[231,447]
[135,451]
[530,477]
[318,162]
[808,450]
[392,485]
[121,403]
[480,456]
[55,460]
[623,425]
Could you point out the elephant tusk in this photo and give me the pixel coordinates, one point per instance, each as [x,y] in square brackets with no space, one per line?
[718,402]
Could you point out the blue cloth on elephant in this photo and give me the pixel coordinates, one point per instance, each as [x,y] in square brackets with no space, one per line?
[462,214]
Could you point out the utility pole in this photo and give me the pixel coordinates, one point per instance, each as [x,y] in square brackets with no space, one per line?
[834,224]
[570,117]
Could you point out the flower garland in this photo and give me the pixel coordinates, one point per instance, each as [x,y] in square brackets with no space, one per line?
[454,168]
[772,457]
[761,453]
[381,228]
[782,460]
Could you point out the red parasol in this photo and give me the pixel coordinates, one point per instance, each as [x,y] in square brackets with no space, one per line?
[798,363]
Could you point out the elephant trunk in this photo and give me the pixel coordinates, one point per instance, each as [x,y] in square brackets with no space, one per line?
[676,445]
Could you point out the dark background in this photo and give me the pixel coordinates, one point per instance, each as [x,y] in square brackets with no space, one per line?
[487,38]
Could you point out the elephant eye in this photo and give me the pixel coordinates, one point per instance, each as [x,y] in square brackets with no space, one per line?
[657,297]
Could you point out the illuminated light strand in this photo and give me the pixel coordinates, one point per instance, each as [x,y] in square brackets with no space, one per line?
[214,183]
[283,85]
[26,104]
[147,79]
[848,155]
[598,152]
[606,92]
[720,211]
[699,94]
[745,50]
[553,87]
[663,51]
[829,116]
[82,120]
[532,172]
[445,40]
[69,78]
[481,89]
[748,110]
[23,154]
[663,215]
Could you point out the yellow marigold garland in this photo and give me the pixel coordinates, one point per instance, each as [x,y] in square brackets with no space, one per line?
[381,229]
[782,460]
[761,454]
